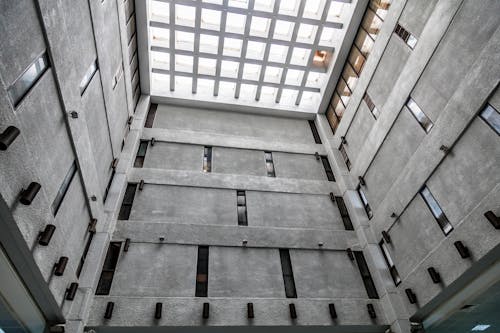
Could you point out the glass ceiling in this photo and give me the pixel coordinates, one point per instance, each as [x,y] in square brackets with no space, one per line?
[258,53]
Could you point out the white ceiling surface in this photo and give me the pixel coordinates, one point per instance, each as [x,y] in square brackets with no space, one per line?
[243,54]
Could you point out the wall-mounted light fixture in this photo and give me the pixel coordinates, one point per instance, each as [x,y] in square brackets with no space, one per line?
[316,154]
[343,140]
[206,310]
[250,313]
[60,266]
[141,184]
[320,244]
[130,119]
[386,237]
[45,236]
[8,136]
[435,277]
[350,254]
[27,195]
[371,311]
[293,311]
[462,249]
[93,198]
[361,181]
[158,309]
[152,142]
[333,312]
[126,245]
[114,164]
[411,296]
[71,291]
[332,197]
[494,220]
[244,242]
[445,149]
[394,215]
[73,114]
[92,226]
[109,310]
[161,239]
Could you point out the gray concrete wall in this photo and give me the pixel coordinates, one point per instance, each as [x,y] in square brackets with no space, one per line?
[174,156]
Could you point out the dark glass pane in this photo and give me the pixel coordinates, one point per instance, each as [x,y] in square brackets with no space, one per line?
[365,275]
[286,266]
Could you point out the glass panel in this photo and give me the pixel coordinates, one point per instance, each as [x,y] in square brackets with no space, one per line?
[492,118]
[356,59]
[380,7]
[350,76]
[364,42]
[372,23]
[338,106]
[424,121]
[344,91]
[436,210]
[23,84]
[333,119]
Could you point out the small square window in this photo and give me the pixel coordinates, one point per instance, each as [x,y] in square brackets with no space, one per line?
[273,74]
[314,8]
[160,60]
[251,72]
[288,96]
[283,29]
[160,37]
[210,19]
[235,23]
[184,41]
[255,50]
[229,69]
[264,5]
[206,66]
[160,12]
[278,53]
[329,37]
[336,11]
[232,47]
[260,26]
[185,15]
[205,87]
[238,3]
[306,33]
[247,91]
[217,2]
[268,94]
[183,63]
[209,44]
[183,83]
[300,56]
[226,89]
[315,80]
[289,7]
[294,77]
[310,98]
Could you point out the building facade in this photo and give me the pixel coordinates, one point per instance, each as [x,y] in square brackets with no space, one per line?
[121,211]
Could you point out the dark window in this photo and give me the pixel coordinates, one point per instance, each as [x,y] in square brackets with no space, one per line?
[28,79]
[87,78]
[207,159]
[108,269]
[345,157]
[344,213]
[492,117]
[436,210]
[202,272]
[63,189]
[421,117]
[106,191]
[314,131]
[151,116]
[373,109]
[390,263]
[362,196]
[141,154]
[365,274]
[286,267]
[406,36]
[128,200]
[241,207]
[269,164]
[84,255]
[328,168]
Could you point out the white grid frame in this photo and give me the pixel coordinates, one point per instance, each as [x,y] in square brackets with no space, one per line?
[245,37]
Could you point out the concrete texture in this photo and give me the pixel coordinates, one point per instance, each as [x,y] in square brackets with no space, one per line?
[174,156]
[238,161]
[298,166]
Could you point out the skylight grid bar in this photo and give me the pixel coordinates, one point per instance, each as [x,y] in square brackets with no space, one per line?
[251,5]
[289,54]
[266,51]
[220,49]
[259,13]
[314,47]
[234,80]
[231,58]
[196,46]
[171,9]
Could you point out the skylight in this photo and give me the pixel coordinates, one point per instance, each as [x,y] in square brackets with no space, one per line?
[258,53]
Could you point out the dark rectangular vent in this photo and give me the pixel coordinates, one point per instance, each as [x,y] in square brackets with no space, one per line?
[108,269]
[314,131]
[127,202]
[344,213]
[151,116]
[328,168]
[202,272]
[286,266]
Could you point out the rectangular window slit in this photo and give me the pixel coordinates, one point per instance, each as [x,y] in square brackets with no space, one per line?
[344,213]
[151,116]
[367,207]
[492,117]
[108,269]
[63,189]
[241,207]
[106,191]
[286,267]
[390,264]
[141,154]
[207,159]
[436,210]
[269,164]
[406,36]
[373,109]
[202,272]
[87,78]
[84,255]
[421,117]
[314,131]
[127,202]
[365,275]
[345,156]
[328,168]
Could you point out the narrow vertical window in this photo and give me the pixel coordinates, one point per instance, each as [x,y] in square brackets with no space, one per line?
[269,164]
[87,78]
[63,189]
[202,272]
[406,36]
[141,154]
[84,255]
[373,109]
[151,116]
[286,267]
[344,213]
[345,156]
[421,117]
[314,131]
[328,168]
[128,200]
[106,191]
[436,210]
[492,117]
[367,207]
[241,201]
[390,263]
[28,79]
[108,269]
[365,275]
[207,159]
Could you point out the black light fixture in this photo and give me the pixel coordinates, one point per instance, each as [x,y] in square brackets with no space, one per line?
[109,310]
[371,310]
[462,249]
[411,296]
[320,245]
[386,237]
[74,114]
[130,119]
[293,311]
[93,198]
[394,215]
[206,310]
[71,291]
[27,195]
[350,254]
[126,245]
[60,266]
[141,184]
[250,313]
[494,220]
[152,142]
[45,235]
[333,312]
[8,136]
[114,164]
[343,140]
[435,277]
[158,309]
[445,149]
[316,154]
[92,226]
[361,181]
[332,197]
